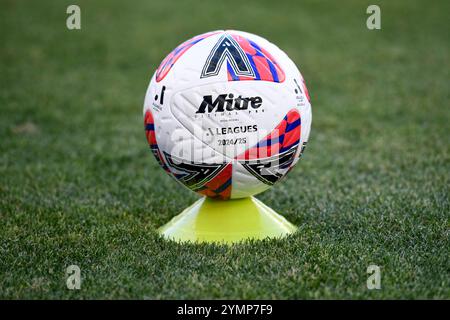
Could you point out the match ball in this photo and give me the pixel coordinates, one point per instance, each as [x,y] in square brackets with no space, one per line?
[227,114]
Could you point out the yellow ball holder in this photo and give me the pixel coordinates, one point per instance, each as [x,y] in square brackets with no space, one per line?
[209,220]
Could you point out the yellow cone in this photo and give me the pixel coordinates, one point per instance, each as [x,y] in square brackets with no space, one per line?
[209,220]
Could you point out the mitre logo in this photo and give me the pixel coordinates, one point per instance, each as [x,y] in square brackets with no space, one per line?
[227,102]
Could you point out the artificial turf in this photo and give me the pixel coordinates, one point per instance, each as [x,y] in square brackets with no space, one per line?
[78,184]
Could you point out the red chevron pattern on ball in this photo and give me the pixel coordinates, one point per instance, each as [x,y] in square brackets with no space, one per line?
[262,62]
[151,138]
[220,186]
[285,136]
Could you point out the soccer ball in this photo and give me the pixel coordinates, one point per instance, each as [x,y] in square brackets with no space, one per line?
[227,114]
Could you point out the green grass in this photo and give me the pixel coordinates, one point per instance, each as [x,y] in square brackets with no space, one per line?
[78,184]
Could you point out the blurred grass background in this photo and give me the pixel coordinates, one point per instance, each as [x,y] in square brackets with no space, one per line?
[78,184]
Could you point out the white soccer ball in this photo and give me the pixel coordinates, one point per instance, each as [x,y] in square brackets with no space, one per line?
[227,114]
